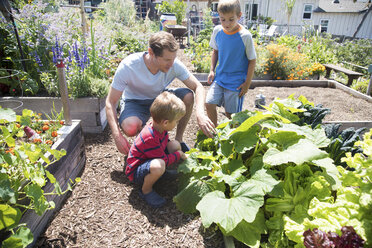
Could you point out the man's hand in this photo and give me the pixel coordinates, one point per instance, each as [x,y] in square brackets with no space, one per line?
[243,89]
[183,155]
[210,77]
[122,144]
[206,125]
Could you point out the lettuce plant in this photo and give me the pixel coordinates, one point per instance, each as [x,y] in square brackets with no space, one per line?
[264,180]
[318,239]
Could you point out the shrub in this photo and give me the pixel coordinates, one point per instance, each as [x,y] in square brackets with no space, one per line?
[177,7]
[283,63]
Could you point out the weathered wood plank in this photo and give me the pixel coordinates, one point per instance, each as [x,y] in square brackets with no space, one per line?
[90,110]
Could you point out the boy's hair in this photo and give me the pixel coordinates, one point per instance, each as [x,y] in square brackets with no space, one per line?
[162,40]
[229,6]
[167,106]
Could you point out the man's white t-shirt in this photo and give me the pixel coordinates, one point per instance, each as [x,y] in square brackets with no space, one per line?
[137,82]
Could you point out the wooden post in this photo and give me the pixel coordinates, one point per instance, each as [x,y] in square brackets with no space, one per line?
[63,91]
[83,20]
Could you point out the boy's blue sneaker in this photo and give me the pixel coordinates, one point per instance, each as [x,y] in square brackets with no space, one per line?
[153,199]
[184,147]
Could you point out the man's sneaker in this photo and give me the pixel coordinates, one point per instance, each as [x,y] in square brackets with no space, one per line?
[153,199]
[184,147]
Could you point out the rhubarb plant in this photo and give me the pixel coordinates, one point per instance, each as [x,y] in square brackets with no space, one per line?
[23,172]
[260,172]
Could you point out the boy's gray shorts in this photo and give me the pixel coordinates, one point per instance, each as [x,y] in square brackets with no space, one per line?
[229,99]
[141,108]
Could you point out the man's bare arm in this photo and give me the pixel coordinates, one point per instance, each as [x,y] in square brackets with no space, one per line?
[204,122]
[112,100]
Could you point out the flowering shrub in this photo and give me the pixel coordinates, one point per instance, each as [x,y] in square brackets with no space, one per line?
[87,69]
[283,63]
[23,175]
[46,30]
[317,68]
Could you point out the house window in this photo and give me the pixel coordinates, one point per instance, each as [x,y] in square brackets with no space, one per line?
[308,11]
[214,7]
[324,25]
[251,11]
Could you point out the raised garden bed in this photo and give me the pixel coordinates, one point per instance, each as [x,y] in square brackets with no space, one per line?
[202,77]
[64,170]
[90,110]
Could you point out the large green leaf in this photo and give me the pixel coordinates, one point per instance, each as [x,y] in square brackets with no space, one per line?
[249,233]
[35,192]
[230,172]
[247,124]
[8,216]
[285,138]
[303,151]
[6,191]
[245,140]
[285,112]
[7,115]
[331,170]
[289,102]
[228,213]
[317,136]
[22,238]
[226,148]
[191,164]
[187,199]
[7,136]
[264,181]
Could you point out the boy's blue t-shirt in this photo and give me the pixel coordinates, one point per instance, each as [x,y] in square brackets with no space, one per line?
[234,52]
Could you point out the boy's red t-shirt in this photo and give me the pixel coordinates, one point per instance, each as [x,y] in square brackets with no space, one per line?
[149,144]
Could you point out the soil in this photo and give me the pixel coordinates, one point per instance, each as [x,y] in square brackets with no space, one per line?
[104,210]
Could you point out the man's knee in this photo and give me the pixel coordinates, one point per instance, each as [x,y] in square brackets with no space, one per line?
[131,126]
[188,99]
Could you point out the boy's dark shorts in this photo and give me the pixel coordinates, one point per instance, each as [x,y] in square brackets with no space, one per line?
[141,108]
[141,171]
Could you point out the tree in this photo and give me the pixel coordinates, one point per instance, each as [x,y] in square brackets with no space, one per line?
[289,4]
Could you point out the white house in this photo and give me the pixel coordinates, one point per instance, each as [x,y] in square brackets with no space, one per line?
[337,17]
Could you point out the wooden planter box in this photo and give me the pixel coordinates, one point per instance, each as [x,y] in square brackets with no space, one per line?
[90,110]
[67,168]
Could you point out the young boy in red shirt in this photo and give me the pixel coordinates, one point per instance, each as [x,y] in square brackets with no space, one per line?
[152,152]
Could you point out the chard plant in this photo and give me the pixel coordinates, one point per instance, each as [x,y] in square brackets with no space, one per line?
[23,172]
[257,179]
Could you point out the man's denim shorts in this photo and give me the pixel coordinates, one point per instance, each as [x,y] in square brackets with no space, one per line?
[229,99]
[141,108]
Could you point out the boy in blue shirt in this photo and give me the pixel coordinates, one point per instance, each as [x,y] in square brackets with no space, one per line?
[233,48]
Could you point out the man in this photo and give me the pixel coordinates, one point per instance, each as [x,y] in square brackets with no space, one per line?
[142,77]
